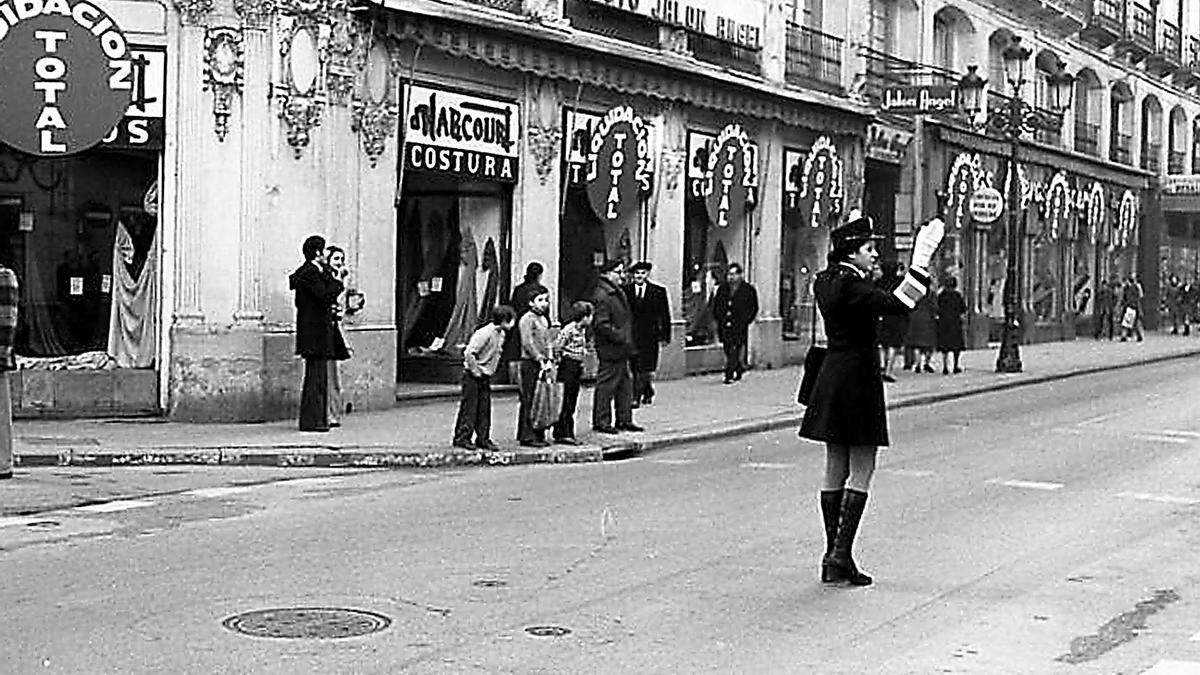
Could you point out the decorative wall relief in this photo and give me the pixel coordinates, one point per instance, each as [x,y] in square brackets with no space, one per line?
[194,12]
[224,66]
[377,106]
[255,13]
[346,56]
[543,147]
[672,166]
[301,93]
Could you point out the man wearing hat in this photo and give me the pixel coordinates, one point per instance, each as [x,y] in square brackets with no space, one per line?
[612,330]
[651,327]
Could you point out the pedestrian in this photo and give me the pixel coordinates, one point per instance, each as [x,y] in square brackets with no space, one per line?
[892,327]
[537,357]
[846,410]
[337,267]
[481,358]
[1106,300]
[950,311]
[651,328]
[1131,307]
[318,339]
[519,301]
[1189,305]
[571,346]
[10,297]
[735,306]
[1174,300]
[922,333]
[612,330]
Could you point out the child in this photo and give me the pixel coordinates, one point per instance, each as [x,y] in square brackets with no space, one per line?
[951,308]
[480,359]
[571,345]
[536,357]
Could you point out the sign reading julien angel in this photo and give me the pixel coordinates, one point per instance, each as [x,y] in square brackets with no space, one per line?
[619,165]
[66,75]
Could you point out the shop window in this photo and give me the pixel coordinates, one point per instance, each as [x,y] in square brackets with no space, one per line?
[799,263]
[1045,277]
[586,243]
[1083,278]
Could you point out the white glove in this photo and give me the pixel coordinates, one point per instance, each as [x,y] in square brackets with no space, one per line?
[927,241]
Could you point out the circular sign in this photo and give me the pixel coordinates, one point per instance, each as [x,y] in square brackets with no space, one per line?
[732,175]
[986,205]
[66,74]
[618,163]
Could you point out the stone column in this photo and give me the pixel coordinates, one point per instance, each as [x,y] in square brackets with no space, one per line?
[255,138]
[665,243]
[192,125]
[766,241]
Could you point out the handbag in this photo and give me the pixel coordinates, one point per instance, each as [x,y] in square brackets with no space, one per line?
[812,363]
[1129,318]
[547,399]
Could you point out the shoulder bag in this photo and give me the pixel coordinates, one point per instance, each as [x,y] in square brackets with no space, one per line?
[812,362]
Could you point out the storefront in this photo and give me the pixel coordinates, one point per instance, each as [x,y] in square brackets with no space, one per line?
[80,209]
[886,151]
[1180,249]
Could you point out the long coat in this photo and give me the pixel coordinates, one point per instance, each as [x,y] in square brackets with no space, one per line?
[847,405]
[317,334]
[651,323]
[734,310]
[612,327]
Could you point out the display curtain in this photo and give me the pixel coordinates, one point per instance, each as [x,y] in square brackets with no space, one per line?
[465,315]
[45,337]
[133,328]
[491,291]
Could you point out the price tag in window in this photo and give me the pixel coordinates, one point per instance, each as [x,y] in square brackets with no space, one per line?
[76,285]
[597,258]
[422,288]
[435,285]
[106,283]
[696,287]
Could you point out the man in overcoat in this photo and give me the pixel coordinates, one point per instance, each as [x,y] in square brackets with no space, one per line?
[612,328]
[735,306]
[651,328]
[318,339]
[10,295]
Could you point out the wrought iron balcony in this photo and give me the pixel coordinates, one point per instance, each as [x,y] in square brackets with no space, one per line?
[513,6]
[885,70]
[610,22]
[1063,17]
[813,58]
[1138,40]
[1087,138]
[1189,74]
[1106,23]
[1177,163]
[1150,156]
[1121,149]
[1168,57]
[722,53]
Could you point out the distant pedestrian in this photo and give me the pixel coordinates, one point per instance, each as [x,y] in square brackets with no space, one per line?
[10,296]
[337,267]
[1189,305]
[1174,300]
[571,346]
[537,357]
[1106,303]
[1131,308]
[481,357]
[612,330]
[318,339]
[922,333]
[846,409]
[735,307]
[892,327]
[519,301]
[651,328]
[950,311]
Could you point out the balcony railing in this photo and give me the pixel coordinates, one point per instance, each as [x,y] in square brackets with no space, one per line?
[1177,162]
[513,6]
[594,17]
[813,56]
[1108,10]
[885,70]
[1170,41]
[721,53]
[1150,156]
[1192,57]
[1087,138]
[1139,26]
[1122,148]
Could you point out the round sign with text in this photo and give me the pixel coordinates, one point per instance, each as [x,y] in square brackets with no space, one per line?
[65,73]
[732,177]
[618,163]
[986,205]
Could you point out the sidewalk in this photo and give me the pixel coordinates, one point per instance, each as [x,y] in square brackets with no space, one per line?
[417,434]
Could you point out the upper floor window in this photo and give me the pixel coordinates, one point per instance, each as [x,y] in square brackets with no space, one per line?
[883,26]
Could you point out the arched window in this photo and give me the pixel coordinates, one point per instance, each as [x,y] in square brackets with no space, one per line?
[1121,130]
[1177,143]
[1089,101]
[1152,134]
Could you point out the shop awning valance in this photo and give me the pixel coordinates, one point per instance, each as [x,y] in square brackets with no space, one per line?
[546,58]
[1181,203]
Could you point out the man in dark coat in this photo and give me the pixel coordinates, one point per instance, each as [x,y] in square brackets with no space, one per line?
[612,328]
[651,327]
[735,305]
[527,290]
[10,297]
[318,339]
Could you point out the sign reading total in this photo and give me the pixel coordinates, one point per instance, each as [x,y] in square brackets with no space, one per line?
[732,176]
[459,134]
[737,22]
[986,205]
[66,76]
[619,167]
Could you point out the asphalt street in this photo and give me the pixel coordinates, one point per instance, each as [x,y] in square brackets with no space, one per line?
[1047,529]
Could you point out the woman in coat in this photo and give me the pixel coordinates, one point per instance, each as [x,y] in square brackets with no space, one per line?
[950,310]
[846,409]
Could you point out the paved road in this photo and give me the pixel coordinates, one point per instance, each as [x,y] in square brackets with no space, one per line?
[1050,529]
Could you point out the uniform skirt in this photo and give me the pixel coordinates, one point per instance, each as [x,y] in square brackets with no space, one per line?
[847,405]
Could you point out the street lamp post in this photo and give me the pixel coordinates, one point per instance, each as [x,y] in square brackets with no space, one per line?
[1012,121]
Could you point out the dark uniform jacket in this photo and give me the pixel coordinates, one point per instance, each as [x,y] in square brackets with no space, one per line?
[846,406]
[10,297]
[734,311]
[651,323]
[612,327]
[317,334]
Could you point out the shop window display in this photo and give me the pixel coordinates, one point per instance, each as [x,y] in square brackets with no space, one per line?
[586,243]
[1045,276]
[798,266]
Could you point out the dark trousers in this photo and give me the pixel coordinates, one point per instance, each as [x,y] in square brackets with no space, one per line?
[643,383]
[529,378]
[314,397]
[735,358]
[570,372]
[474,410]
[613,384]
[1104,324]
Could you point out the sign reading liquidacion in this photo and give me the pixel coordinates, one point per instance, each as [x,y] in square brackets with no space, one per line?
[66,75]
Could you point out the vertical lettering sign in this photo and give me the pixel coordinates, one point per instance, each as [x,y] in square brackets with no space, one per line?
[1096,208]
[66,75]
[732,176]
[577,139]
[143,126]
[962,184]
[793,164]
[821,183]
[1058,207]
[1127,215]
[619,167]
[458,134]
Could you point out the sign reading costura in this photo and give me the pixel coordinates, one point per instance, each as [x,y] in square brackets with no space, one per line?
[467,136]
[619,167]
[66,76]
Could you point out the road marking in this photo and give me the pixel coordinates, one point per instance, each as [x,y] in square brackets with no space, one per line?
[1174,668]
[317,480]
[1159,438]
[912,473]
[767,465]
[114,506]
[1028,484]
[209,493]
[1181,432]
[674,461]
[1097,420]
[1165,499]
[14,521]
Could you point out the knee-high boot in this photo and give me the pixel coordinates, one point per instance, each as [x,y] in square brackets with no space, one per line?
[831,512]
[841,563]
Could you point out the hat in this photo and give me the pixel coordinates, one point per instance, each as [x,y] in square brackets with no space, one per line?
[641,265]
[858,230]
[610,265]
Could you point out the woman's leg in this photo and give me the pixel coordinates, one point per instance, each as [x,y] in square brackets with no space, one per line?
[945,363]
[837,468]
[957,362]
[840,564]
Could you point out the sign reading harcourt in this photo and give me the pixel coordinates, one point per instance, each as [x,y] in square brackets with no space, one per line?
[619,167]
[459,134]
[920,99]
[66,77]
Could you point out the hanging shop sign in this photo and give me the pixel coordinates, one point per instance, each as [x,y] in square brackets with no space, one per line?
[732,176]
[619,166]
[986,205]
[1095,209]
[920,99]
[1057,207]
[963,182]
[818,175]
[887,144]
[66,76]
[143,126]
[1127,217]
[739,23]
[578,128]
[460,134]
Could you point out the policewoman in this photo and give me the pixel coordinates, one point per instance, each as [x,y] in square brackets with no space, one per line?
[846,408]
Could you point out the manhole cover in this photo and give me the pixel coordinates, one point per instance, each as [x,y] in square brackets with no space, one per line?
[312,623]
[548,631]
